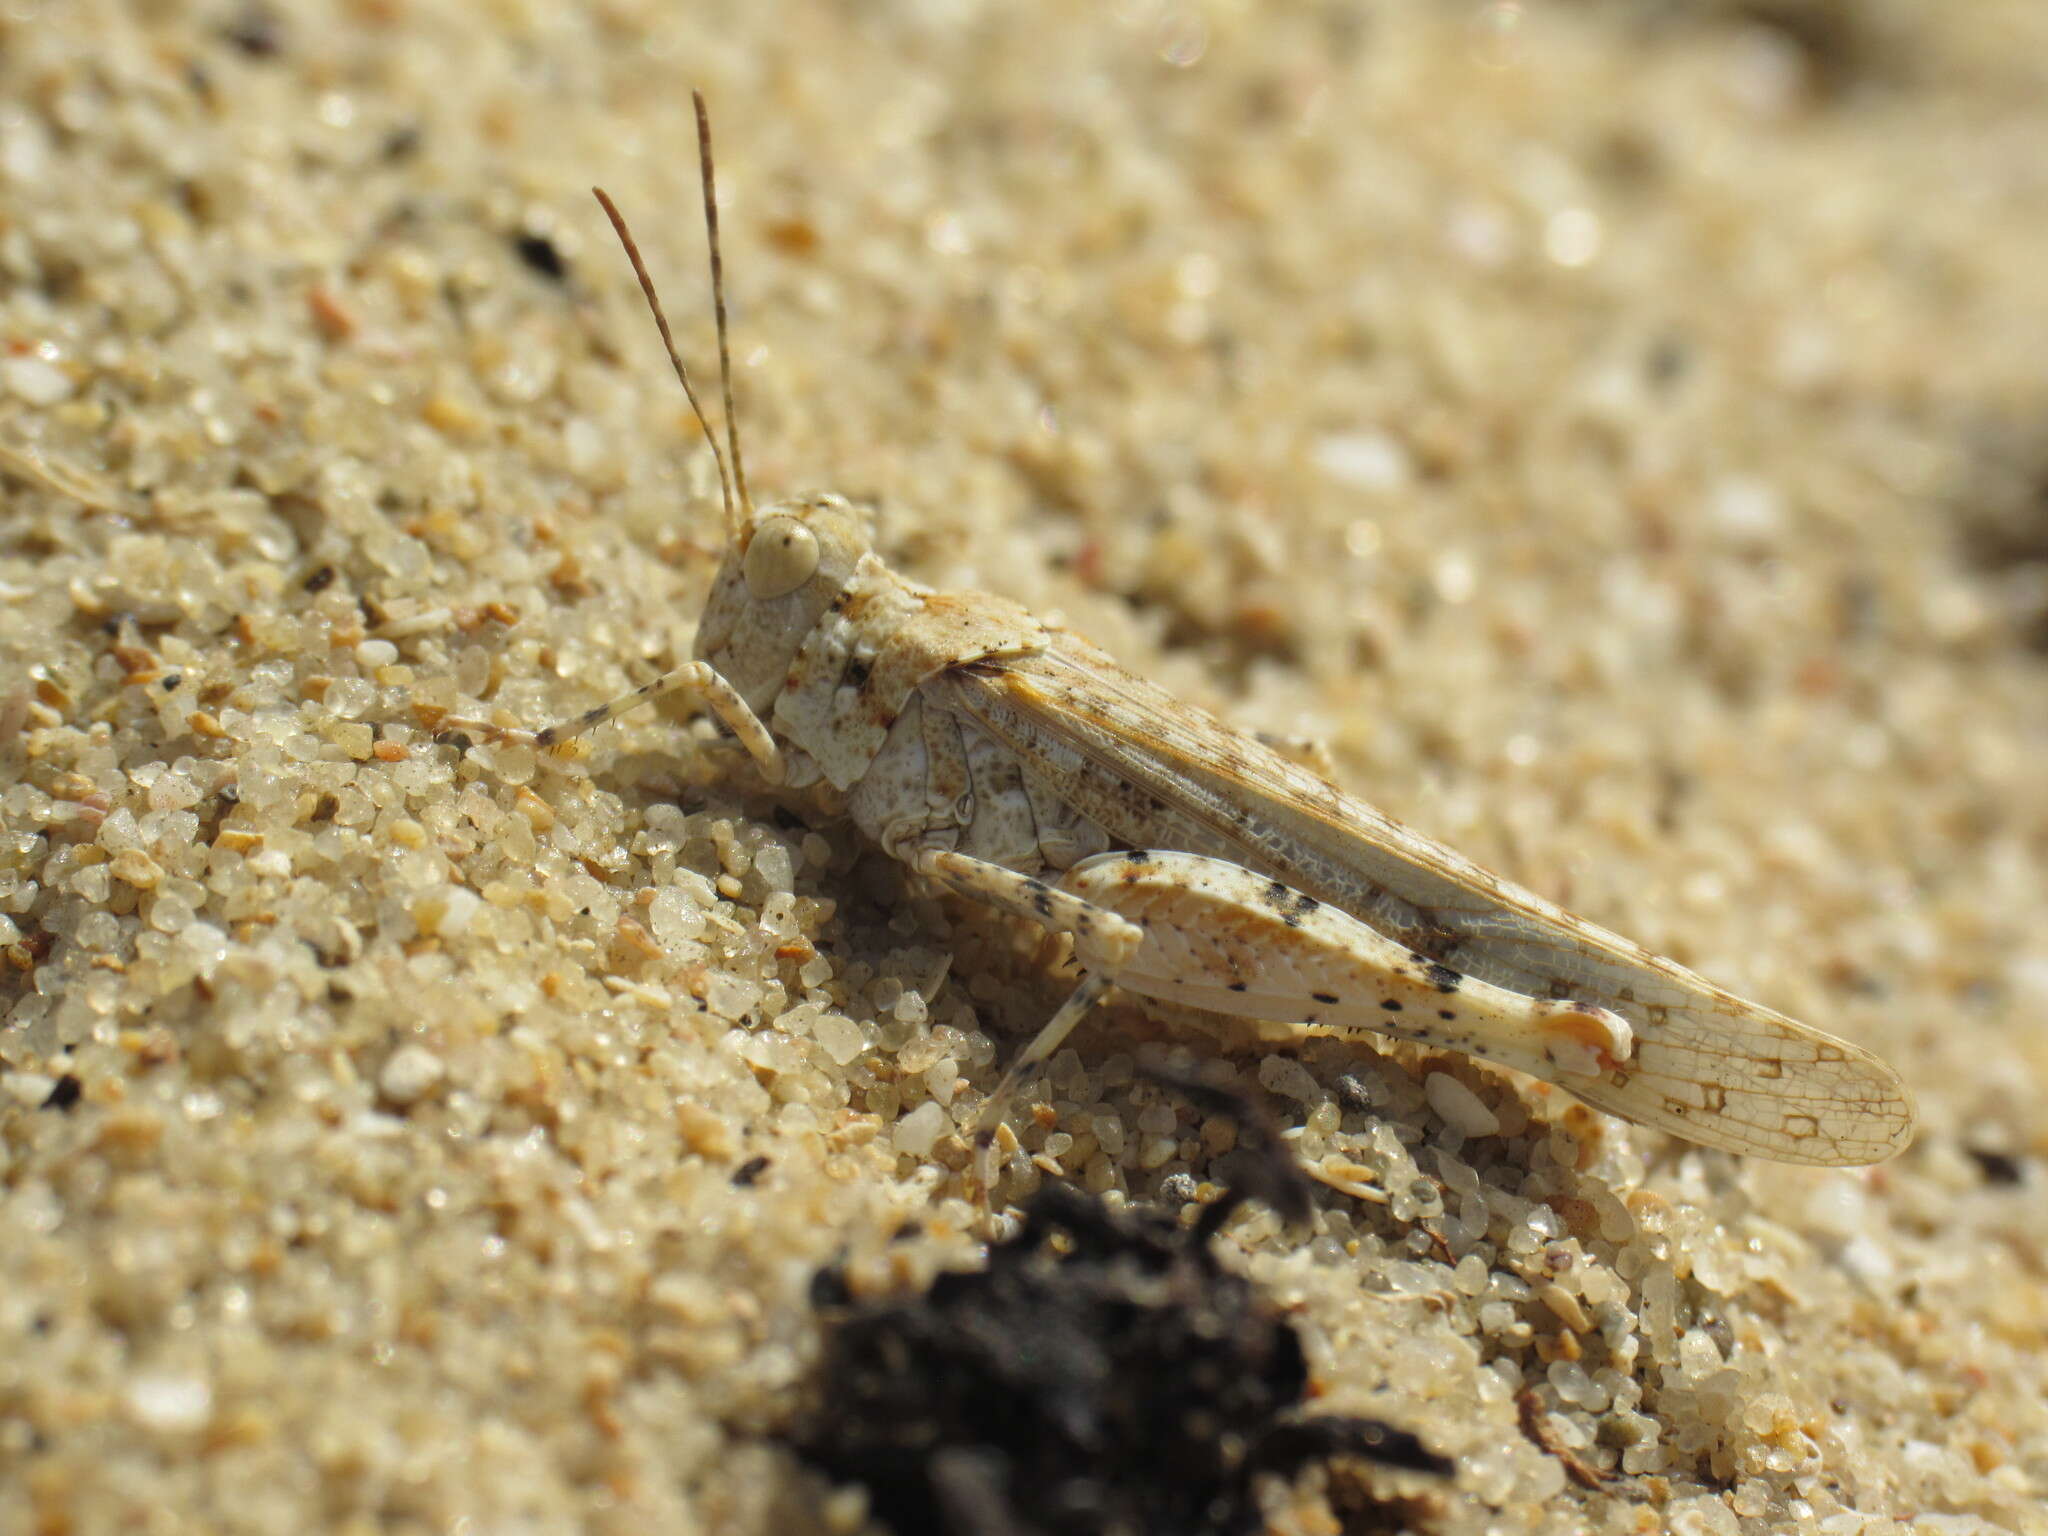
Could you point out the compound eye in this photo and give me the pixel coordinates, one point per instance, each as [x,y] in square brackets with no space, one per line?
[782,556]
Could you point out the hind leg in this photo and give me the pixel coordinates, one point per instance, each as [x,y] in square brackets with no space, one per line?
[1219,936]
[1103,941]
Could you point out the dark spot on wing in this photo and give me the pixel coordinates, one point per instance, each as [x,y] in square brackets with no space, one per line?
[1237,986]
[1391,1005]
[1324,997]
[1444,979]
[858,671]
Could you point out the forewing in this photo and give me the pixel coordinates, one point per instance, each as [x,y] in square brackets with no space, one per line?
[1155,772]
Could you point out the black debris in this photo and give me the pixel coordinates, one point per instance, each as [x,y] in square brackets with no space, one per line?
[257,31]
[828,1289]
[539,253]
[1997,1167]
[1105,1374]
[65,1094]
[1264,1169]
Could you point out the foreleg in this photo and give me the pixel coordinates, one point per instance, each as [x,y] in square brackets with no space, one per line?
[695,678]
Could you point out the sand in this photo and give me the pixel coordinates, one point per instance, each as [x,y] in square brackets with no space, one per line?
[1615,430]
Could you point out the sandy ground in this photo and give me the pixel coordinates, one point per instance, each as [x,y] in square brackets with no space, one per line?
[1615,429]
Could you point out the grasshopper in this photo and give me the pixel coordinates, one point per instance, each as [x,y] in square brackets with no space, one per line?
[1014,763]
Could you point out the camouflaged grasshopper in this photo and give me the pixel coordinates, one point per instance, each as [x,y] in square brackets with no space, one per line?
[1016,764]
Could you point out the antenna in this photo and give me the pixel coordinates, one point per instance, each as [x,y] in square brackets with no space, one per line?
[732,431]
[668,340]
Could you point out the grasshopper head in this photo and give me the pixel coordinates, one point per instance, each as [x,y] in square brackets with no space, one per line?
[785,565]
[782,572]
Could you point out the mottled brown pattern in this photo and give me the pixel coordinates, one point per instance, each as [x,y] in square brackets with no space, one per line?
[1148,769]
